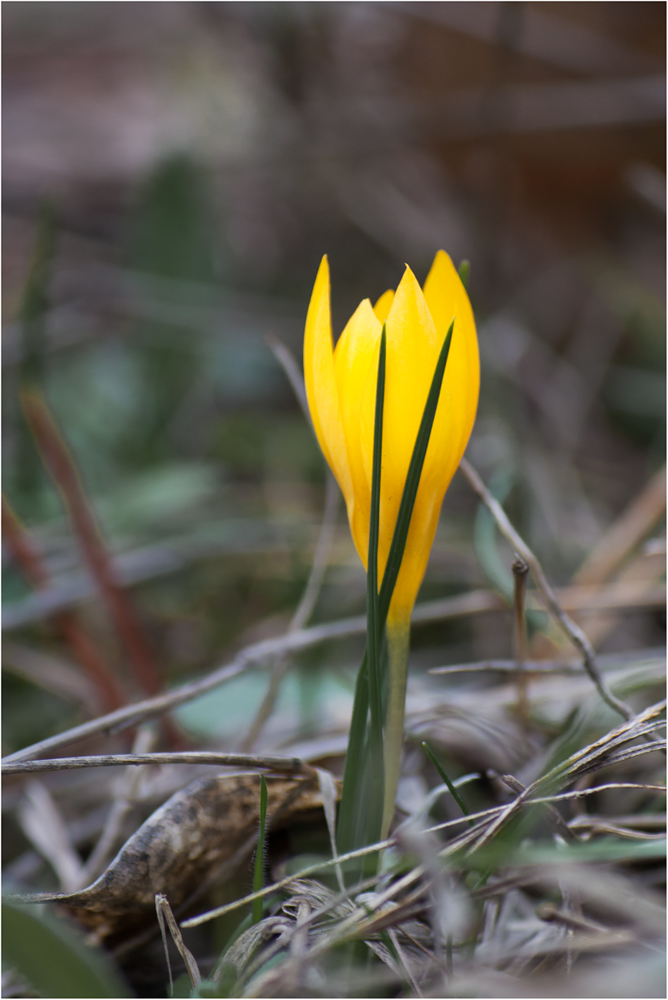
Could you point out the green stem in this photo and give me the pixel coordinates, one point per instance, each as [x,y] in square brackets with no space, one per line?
[374,626]
[398,640]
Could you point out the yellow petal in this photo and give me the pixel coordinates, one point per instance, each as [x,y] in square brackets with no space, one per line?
[321,392]
[341,389]
[383,305]
[447,300]
[355,363]
[411,354]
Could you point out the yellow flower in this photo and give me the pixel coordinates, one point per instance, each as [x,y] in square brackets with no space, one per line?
[341,391]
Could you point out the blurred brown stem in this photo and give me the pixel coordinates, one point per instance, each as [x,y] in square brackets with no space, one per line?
[626,533]
[31,565]
[520,571]
[65,474]
[269,762]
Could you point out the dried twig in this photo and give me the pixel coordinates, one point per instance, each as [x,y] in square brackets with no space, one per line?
[520,570]
[547,667]
[573,631]
[124,799]
[556,819]
[166,920]
[284,765]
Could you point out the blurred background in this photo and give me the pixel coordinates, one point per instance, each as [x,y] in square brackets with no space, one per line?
[173,173]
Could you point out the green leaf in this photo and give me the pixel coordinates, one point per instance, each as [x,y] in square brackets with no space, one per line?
[412,482]
[451,788]
[351,819]
[464,271]
[374,626]
[52,956]
[373,630]
[360,815]
[355,821]
[524,852]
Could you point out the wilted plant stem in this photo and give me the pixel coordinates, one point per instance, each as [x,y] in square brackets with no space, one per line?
[520,571]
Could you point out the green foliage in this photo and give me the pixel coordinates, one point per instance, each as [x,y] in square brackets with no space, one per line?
[356,825]
[446,780]
[172,239]
[51,955]
[173,229]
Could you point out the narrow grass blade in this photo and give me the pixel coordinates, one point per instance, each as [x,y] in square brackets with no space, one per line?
[412,482]
[374,626]
[31,320]
[34,302]
[444,778]
[353,809]
[349,826]
[463,271]
[258,875]
[360,813]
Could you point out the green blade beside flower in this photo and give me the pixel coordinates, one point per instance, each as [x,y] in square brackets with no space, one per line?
[374,625]
[364,777]
[354,805]
[413,481]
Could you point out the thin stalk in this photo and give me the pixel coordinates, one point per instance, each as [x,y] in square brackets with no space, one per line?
[398,634]
[349,832]
[398,642]
[400,535]
[258,875]
[351,824]
[360,813]
[446,780]
[374,627]
[520,571]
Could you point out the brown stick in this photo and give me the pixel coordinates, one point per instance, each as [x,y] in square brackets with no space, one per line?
[520,571]
[32,566]
[282,765]
[65,474]
[573,631]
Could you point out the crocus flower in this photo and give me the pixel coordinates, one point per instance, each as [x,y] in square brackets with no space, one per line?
[341,390]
